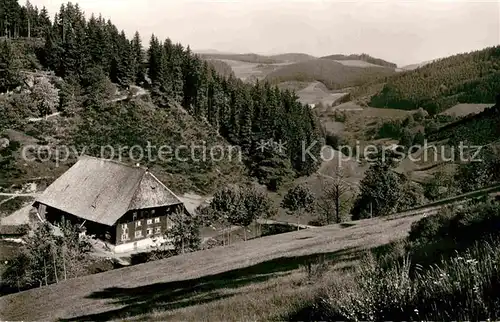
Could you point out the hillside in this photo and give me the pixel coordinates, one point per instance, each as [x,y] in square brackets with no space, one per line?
[363,57]
[415,66]
[194,279]
[248,58]
[478,129]
[464,78]
[333,74]
[293,57]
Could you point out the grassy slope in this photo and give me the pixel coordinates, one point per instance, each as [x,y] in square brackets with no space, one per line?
[293,57]
[465,109]
[331,73]
[197,278]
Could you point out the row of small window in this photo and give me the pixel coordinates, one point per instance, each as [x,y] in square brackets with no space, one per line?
[138,233]
[139,223]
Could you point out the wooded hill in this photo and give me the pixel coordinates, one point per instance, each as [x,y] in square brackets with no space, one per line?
[477,129]
[464,78]
[88,54]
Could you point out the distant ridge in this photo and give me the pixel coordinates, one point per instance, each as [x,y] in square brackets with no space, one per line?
[212,51]
[364,57]
[249,58]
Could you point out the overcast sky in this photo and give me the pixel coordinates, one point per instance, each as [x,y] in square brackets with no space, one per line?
[403,32]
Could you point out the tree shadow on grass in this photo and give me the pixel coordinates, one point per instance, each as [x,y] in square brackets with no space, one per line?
[167,296]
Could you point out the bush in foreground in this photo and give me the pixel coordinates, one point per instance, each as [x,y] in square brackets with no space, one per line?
[461,288]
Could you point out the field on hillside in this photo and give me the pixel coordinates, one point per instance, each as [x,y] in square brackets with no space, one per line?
[248,58]
[359,120]
[316,93]
[466,109]
[356,63]
[360,59]
[197,286]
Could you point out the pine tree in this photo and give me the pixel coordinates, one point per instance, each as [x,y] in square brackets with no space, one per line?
[10,66]
[191,77]
[154,61]
[176,68]
[44,23]
[123,62]
[137,53]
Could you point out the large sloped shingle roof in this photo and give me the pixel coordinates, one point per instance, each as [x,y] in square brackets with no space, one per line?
[102,191]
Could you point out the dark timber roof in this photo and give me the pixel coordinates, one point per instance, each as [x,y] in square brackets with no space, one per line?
[102,191]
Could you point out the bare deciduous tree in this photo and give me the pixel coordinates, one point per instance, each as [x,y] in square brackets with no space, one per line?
[336,193]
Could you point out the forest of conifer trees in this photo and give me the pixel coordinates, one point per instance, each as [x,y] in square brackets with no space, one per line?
[23,21]
[464,78]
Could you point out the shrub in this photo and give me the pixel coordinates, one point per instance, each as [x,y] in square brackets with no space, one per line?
[419,138]
[406,138]
[420,115]
[427,229]
[340,116]
[275,229]
[390,129]
[333,140]
[453,230]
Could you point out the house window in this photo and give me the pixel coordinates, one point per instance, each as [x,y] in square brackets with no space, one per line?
[124,226]
[149,231]
[152,211]
[134,216]
[138,234]
[150,221]
[157,230]
[138,223]
[157,220]
[125,236]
